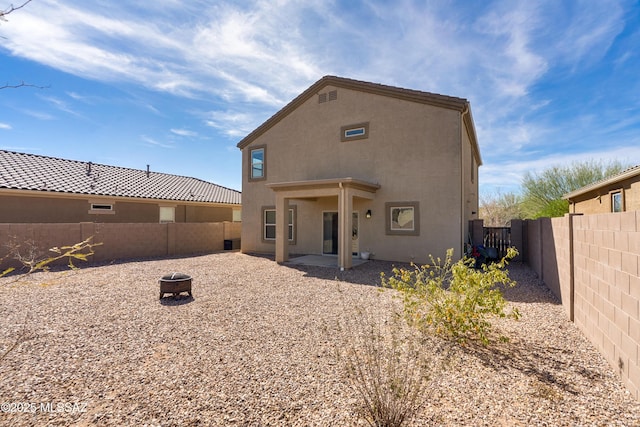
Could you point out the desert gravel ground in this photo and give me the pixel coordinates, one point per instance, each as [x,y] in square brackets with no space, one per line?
[257,345]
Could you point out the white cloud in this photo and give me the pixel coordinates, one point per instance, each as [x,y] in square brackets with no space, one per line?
[40,115]
[5,126]
[151,141]
[232,123]
[184,132]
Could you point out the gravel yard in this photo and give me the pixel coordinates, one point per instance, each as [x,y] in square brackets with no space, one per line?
[256,345]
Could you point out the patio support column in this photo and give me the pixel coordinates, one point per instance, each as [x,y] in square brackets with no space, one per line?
[345,226]
[282,228]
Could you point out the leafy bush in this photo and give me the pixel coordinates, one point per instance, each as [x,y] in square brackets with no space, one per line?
[454,299]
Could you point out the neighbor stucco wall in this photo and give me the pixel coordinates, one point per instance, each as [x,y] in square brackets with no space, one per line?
[119,241]
[414,152]
[25,209]
[598,201]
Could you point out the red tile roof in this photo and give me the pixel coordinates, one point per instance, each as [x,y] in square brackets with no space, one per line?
[23,171]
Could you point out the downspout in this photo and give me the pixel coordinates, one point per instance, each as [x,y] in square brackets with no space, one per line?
[340,227]
[462,192]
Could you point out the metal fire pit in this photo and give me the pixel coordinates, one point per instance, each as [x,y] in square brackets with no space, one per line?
[175,283]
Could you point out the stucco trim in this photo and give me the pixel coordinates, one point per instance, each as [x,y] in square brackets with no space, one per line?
[344,129]
[292,242]
[322,187]
[250,177]
[106,198]
[416,218]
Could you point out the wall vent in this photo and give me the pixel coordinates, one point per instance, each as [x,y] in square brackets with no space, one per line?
[333,95]
[322,98]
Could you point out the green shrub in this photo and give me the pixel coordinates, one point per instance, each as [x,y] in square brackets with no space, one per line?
[454,300]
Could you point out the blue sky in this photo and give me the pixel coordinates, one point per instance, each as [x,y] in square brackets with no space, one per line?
[176,84]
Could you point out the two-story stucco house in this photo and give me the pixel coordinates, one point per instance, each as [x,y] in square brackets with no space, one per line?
[349,167]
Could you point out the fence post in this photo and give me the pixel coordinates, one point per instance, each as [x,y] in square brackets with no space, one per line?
[516,239]
[477,231]
[572,270]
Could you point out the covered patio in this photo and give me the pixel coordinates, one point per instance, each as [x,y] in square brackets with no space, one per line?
[345,189]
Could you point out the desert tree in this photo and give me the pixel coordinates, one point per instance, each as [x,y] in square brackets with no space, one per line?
[498,209]
[542,192]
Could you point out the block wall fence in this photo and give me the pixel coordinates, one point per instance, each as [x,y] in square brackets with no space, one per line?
[122,241]
[592,264]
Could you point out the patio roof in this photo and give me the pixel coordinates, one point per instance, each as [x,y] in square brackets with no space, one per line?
[345,189]
[324,187]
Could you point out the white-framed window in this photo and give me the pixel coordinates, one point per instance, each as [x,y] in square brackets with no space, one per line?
[269,224]
[257,163]
[167,214]
[353,132]
[617,202]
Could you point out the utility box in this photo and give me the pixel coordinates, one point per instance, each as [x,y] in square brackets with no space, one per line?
[231,244]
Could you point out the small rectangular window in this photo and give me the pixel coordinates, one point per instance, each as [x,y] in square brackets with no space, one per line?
[257,163]
[353,132]
[100,207]
[616,202]
[167,214]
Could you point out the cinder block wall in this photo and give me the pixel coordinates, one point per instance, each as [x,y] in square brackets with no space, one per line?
[119,241]
[592,264]
[607,288]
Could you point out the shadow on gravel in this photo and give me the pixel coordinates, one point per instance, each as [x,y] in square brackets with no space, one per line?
[544,363]
[366,274]
[176,300]
[529,288]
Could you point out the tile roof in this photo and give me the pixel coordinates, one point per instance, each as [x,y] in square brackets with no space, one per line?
[625,174]
[23,171]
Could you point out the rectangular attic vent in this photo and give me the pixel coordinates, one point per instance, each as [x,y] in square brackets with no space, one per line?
[324,97]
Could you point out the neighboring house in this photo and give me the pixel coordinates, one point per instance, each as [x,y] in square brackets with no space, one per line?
[40,189]
[618,193]
[349,167]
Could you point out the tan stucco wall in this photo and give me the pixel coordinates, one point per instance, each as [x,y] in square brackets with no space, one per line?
[599,200]
[25,209]
[413,151]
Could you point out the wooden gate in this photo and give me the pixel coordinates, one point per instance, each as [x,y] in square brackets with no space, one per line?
[497,237]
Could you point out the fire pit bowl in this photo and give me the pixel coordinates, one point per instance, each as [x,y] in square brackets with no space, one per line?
[175,283]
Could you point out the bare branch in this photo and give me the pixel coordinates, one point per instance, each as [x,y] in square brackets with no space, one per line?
[12,8]
[23,84]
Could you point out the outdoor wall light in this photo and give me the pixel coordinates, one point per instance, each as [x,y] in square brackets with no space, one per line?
[368,214]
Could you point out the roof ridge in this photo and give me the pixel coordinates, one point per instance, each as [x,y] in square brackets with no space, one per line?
[392,87]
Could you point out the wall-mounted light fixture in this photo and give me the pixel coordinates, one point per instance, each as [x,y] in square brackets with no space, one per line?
[368,214]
